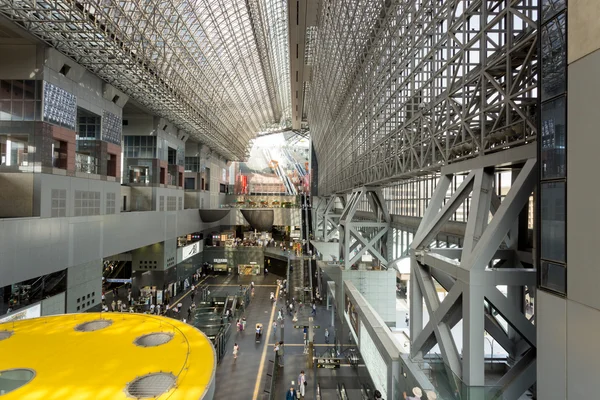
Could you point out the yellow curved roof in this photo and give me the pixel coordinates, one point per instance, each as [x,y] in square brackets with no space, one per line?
[98,365]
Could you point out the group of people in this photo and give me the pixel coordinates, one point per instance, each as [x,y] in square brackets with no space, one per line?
[298,391]
[417,394]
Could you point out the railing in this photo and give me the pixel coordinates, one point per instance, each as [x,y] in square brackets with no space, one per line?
[272,372]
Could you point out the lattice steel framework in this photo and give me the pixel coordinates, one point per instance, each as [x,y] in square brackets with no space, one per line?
[400,88]
[205,65]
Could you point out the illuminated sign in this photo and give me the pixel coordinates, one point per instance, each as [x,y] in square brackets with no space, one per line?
[220,260]
[190,250]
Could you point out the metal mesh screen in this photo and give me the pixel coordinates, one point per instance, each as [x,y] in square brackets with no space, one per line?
[153,339]
[93,325]
[151,385]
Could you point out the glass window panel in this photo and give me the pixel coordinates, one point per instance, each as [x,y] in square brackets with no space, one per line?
[29,87]
[5,111]
[553,139]
[17,111]
[17,90]
[554,57]
[551,7]
[553,208]
[5,89]
[28,110]
[554,277]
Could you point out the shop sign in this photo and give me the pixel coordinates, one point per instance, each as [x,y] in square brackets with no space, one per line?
[119,280]
[220,260]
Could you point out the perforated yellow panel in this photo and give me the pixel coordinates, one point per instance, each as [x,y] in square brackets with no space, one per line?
[99,364]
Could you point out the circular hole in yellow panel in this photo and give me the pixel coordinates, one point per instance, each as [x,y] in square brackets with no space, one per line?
[151,385]
[12,379]
[153,339]
[95,325]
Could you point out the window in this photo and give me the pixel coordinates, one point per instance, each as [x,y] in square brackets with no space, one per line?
[192,164]
[554,277]
[554,57]
[110,203]
[59,203]
[88,125]
[161,203]
[553,139]
[180,201]
[20,100]
[552,224]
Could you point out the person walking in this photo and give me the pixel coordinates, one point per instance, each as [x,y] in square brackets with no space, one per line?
[274,328]
[314,309]
[291,394]
[302,385]
[326,336]
[417,392]
[236,349]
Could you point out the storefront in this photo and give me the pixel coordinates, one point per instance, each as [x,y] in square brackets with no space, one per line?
[249,269]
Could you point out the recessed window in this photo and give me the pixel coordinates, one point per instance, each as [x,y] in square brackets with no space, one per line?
[65,70]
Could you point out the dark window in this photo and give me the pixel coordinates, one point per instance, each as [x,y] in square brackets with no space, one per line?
[190,183]
[553,209]
[553,139]
[554,277]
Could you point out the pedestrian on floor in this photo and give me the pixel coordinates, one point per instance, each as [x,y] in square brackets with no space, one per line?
[378,395]
[291,394]
[158,309]
[243,323]
[406,319]
[280,352]
[193,294]
[291,308]
[302,385]
[417,392]
[119,303]
[189,313]
[314,309]
[113,305]
[236,349]
[274,328]
[280,314]
[326,336]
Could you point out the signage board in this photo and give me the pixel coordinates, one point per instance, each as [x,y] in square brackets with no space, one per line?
[24,313]
[329,363]
[220,261]
[191,250]
[118,280]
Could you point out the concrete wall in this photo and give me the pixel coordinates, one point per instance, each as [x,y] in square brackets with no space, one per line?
[25,60]
[54,305]
[88,88]
[148,258]
[84,286]
[551,323]
[30,247]
[44,183]
[16,196]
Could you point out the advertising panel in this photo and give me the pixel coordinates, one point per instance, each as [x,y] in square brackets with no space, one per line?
[191,250]
[374,362]
[30,312]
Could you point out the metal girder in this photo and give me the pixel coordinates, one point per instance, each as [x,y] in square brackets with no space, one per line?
[331,219]
[207,66]
[359,237]
[466,274]
[401,88]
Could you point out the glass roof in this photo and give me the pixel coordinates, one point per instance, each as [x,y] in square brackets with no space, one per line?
[217,69]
